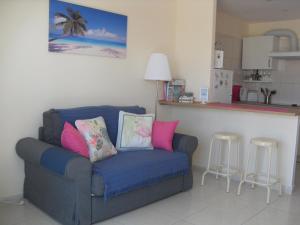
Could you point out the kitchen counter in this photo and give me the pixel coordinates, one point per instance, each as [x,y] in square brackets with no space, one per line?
[249,120]
[244,107]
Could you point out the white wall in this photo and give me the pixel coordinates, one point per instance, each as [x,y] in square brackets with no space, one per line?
[33,80]
[230,31]
[195,37]
[260,28]
[231,25]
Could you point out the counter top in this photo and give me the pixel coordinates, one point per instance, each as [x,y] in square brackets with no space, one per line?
[244,107]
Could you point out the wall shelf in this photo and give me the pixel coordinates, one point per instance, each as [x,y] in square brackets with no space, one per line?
[285,55]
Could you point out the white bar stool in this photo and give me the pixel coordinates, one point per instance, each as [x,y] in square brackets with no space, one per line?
[271,146]
[221,169]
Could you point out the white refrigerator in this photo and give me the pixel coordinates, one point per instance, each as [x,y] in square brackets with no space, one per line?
[221,89]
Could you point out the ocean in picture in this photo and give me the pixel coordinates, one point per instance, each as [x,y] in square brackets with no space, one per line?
[77,29]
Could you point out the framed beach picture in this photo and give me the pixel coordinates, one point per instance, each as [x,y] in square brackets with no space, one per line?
[77,29]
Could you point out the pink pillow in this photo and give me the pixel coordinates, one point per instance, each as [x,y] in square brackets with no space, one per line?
[162,134]
[72,140]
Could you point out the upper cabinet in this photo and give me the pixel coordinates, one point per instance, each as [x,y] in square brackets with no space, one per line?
[256,51]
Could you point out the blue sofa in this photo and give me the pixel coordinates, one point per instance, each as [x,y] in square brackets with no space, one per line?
[74,191]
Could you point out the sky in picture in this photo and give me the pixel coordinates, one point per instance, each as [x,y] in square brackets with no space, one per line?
[101,25]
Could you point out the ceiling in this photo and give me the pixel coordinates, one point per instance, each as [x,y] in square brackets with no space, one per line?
[261,10]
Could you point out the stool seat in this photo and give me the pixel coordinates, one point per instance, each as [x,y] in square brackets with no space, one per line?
[264,142]
[226,136]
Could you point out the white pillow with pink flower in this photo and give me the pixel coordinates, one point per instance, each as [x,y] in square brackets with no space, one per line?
[134,131]
[95,134]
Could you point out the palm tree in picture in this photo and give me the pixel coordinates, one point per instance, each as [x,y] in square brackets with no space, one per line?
[72,24]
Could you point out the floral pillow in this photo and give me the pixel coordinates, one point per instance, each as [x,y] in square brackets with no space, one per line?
[95,134]
[134,131]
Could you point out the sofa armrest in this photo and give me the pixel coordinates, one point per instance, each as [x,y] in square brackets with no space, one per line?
[55,159]
[185,143]
[31,150]
[64,165]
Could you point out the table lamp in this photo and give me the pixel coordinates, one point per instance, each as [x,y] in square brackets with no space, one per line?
[158,69]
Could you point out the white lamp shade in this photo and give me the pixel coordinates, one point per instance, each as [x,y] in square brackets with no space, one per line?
[158,68]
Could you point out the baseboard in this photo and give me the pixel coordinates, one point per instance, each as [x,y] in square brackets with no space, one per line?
[14,199]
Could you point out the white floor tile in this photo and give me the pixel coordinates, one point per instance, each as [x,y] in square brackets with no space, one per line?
[14,214]
[181,205]
[109,222]
[145,216]
[228,209]
[182,222]
[271,216]
[288,203]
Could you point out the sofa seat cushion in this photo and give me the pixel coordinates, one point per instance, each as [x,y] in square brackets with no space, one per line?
[97,185]
[128,171]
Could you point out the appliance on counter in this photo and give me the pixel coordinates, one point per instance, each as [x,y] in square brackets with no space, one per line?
[252,96]
[243,94]
[236,90]
[219,59]
[222,86]
[267,95]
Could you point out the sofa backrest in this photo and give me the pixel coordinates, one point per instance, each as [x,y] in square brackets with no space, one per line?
[54,119]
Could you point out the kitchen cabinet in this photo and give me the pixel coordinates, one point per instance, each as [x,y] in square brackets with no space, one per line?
[256,52]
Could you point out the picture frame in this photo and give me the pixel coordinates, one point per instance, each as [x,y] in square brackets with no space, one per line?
[75,29]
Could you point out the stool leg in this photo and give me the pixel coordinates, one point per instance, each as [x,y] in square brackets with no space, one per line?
[244,175]
[238,160]
[277,172]
[280,188]
[255,168]
[228,166]
[268,194]
[208,164]
[219,158]
[268,176]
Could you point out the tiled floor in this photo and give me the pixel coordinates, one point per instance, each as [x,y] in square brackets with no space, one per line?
[208,205]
